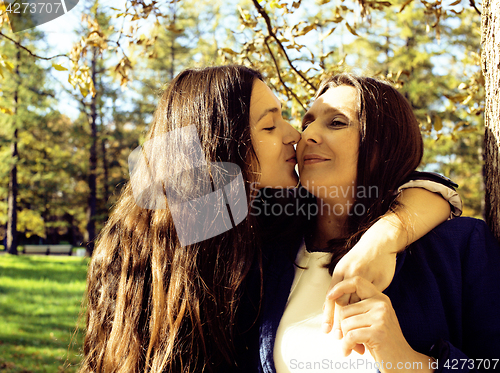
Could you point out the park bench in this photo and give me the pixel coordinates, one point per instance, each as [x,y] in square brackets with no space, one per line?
[47,249]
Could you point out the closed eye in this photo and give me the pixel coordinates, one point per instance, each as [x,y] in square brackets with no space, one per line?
[337,124]
[269,128]
[305,125]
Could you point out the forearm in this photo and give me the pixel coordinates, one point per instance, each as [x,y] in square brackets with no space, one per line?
[418,213]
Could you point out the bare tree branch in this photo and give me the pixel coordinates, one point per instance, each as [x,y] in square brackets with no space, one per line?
[279,75]
[30,52]
[263,13]
[473,4]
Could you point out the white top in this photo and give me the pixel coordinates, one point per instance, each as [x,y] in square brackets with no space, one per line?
[300,344]
[448,194]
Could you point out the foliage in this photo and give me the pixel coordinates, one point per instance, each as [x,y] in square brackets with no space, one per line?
[40,301]
[429,49]
[184,38]
[297,43]
[44,146]
[460,157]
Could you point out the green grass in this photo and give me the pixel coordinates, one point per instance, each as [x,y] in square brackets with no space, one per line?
[40,302]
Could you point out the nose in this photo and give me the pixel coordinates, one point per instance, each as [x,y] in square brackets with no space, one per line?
[291,135]
[310,135]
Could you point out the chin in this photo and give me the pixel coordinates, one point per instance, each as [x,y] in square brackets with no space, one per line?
[292,183]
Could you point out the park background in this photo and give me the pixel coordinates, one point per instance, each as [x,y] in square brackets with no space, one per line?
[77,95]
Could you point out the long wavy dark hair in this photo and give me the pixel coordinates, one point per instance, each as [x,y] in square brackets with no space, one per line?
[153,304]
[390,148]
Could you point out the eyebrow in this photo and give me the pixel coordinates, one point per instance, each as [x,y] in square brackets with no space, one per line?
[267,111]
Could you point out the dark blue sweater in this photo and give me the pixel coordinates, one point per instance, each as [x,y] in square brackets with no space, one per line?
[446,294]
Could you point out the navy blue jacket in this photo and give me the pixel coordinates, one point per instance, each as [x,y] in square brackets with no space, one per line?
[446,294]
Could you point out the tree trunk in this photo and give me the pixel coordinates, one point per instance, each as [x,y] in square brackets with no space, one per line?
[105,166]
[104,158]
[491,69]
[92,202]
[172,47]
[12,198]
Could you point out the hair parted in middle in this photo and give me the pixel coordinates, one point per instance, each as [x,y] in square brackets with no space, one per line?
[153,304]
[390,148]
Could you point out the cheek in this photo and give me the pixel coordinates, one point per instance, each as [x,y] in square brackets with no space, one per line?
[265,154]
[270,150]
[347,147]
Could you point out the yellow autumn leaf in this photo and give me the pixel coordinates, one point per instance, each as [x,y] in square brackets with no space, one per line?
[59,67]
[6,110]
[438,123]
[351,30]
[83,91]
[324,36]
[306,29]
[229,51]
[9,66]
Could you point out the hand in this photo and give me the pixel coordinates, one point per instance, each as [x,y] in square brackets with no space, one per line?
[372,322]
[371,258]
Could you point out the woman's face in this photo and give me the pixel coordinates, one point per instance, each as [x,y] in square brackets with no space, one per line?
[328,152]
[272,139]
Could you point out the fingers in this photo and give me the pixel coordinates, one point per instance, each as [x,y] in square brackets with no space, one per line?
[354,298]
[358,285]
[350,324]
[328,316]
[337,328]
[355,322]
[370,322]
[360,349]
[329,319]
[336,279]
[354,338]
[343,294]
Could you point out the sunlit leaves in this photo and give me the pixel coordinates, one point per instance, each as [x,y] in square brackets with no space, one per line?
[82,79]
[6,110]
[5,64]
[122,69]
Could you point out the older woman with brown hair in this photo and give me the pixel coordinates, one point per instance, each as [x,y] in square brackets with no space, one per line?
[440,311]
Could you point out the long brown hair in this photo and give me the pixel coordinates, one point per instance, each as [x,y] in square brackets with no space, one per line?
[153,304]
[390,148]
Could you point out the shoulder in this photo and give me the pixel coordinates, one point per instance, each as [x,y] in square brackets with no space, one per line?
[459,231]
[459,241]
[462,225]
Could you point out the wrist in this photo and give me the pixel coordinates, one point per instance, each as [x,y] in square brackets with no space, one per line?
[387,235]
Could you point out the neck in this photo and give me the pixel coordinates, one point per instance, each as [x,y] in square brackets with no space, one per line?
[329,224]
